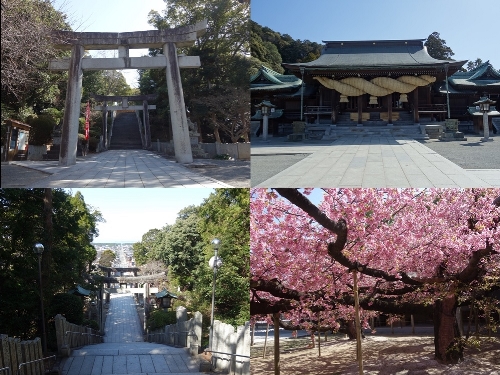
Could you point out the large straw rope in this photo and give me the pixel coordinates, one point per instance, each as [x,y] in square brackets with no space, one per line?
[379,86]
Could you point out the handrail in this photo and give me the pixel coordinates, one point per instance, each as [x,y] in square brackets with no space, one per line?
[83,333]
[6,369]
[36,360]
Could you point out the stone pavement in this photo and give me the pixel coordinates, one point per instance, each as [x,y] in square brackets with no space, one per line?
[115,169]
[123,351]
[368,161]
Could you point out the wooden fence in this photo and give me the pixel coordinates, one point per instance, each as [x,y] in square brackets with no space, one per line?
[22,357]
[70,336]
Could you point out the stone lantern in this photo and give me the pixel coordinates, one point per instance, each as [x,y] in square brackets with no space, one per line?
[265,108]
[484,106]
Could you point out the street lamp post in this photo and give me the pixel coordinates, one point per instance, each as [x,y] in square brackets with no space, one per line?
[38,250]
[215,262]
[484,106]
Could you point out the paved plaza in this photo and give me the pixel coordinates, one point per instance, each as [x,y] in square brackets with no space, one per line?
[364,161]
[124,352]
[114,169]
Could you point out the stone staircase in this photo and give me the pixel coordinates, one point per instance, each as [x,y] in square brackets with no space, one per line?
[126,134]
[139,358]
[404,127]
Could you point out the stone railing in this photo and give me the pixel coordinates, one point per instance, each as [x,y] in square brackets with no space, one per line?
[71,336]
[22,357]
[185,333]
[231,348]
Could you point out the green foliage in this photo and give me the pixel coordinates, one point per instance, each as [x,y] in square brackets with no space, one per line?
[55,113]
[271,48]
[41,129]
[91,324]
[474,64]
[186,248]
[107,258]
[65,225]
[159,319]
[69,306]
[437,48]
[146,250]
[181,247]
[221,49]
[222,157]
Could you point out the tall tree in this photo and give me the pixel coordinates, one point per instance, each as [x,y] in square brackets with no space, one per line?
[222,50]
[437,48]
[471,65]
[24,75]
[416,252]
[69,251]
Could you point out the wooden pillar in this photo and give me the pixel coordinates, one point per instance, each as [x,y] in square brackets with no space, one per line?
[389,109]
[180,129]
[69,136]
[360,110]
[335,97]
[147,129]
[105,124]
[416,117]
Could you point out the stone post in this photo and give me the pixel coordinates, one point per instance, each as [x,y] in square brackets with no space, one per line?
[180,129]
[105,124]
[147,129]
[69,137]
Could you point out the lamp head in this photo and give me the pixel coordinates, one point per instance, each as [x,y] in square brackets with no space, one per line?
[38,248]
[216,243]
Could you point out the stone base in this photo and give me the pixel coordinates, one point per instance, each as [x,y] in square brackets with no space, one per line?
[296,137]
[456,136]
[486,140]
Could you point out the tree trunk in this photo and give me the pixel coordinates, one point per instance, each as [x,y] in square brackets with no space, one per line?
[448,347]
[351,330]
[277,365]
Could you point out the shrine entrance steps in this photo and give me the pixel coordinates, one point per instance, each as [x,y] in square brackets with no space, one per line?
[126,134]
[139,358]
[123,350]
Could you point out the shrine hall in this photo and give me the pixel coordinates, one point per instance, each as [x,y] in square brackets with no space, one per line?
[371,83]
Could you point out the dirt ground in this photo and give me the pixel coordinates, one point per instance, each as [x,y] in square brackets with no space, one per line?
[382,355]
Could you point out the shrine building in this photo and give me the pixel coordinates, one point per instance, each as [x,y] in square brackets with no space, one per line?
[371,83]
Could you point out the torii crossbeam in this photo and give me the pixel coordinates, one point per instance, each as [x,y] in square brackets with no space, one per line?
[168,39]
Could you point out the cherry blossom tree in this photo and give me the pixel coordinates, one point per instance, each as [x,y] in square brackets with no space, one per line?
[415,251]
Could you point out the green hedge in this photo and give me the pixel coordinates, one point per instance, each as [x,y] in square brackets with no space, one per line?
[41,129]
[159,319]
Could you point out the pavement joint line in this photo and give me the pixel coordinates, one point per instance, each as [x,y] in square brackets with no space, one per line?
[421,166]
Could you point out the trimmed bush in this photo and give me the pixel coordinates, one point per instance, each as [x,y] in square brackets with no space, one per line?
[159,319]
[41,129]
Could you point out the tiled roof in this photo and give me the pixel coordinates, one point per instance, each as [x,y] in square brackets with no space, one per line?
[482,76]
[268,79]
[373,54]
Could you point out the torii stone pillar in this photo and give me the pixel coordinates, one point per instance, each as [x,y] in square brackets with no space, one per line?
[180,129]
[169,39]
[69,136]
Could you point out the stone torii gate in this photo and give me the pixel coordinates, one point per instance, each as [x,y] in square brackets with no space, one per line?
[169,40]
[146,137]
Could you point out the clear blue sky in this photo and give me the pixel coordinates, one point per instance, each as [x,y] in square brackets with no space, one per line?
[129,213]
[469,28]
[111,16]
